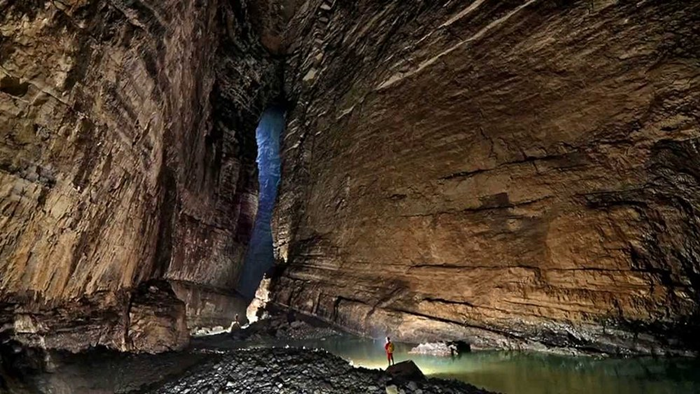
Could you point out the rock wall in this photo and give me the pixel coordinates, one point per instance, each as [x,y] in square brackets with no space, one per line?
[519,174]
[219,206]
[127,157]
[514,173]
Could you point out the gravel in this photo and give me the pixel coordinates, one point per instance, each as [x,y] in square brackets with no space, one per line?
[289,370]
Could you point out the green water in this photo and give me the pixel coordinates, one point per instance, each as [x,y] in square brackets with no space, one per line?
[532,373]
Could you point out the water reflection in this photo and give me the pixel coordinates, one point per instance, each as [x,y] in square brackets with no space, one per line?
[532,373]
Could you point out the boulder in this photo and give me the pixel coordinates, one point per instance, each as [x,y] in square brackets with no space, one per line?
[405,370]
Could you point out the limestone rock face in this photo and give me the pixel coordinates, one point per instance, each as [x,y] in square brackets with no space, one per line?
[513,173]
[127,155]
[157,320]
[510,173]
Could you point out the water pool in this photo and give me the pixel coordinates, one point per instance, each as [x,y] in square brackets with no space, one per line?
[528,372]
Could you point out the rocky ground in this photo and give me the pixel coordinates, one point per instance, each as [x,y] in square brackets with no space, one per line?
[97,371]
[295,371]
[223,363]
[276,327]
[297,329]
[288,370]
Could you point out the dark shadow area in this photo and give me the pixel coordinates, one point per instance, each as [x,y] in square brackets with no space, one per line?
[260,258]
[98,370]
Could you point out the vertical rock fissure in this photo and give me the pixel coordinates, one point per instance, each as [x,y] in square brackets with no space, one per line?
[259,257]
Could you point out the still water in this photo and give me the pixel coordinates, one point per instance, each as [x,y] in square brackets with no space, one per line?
[531,373]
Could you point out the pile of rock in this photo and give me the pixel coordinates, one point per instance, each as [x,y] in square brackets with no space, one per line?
[300,371]
[302,330]
[273,328]
[204,331]
[283,327]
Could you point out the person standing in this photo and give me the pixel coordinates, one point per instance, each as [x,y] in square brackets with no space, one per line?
[389,348]
[235,324]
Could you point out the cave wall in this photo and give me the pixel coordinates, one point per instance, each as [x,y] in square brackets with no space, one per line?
[519,174]
[515,173]
[220,204]
[127,164]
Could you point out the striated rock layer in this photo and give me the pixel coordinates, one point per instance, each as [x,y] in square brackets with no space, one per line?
[512,173]
[515,173]
[127,158]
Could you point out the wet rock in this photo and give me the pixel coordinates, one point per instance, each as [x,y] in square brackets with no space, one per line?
[434,349]
[405,371]
[441,349]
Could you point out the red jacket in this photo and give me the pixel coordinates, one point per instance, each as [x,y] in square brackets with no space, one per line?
[389,347]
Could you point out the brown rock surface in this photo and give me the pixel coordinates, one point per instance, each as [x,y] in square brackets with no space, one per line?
[127,154]
[157,320]
[513,173]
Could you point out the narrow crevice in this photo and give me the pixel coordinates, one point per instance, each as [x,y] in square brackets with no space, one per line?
[260,256]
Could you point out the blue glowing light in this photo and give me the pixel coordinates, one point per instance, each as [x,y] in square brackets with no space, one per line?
[259,257]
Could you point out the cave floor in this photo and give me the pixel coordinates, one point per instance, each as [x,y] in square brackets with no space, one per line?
[292,370]
[255,360]
[508,372]
[251,370]
[278,357]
